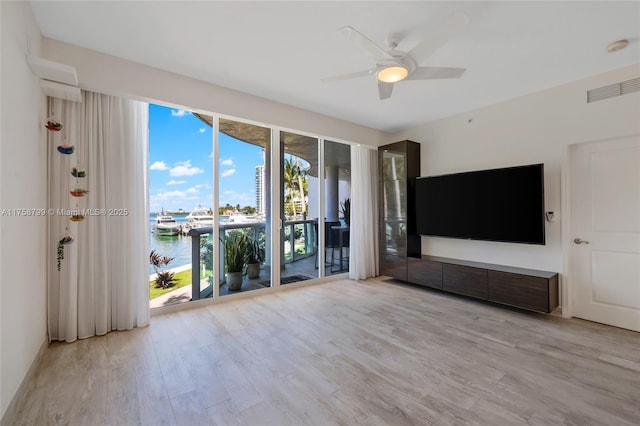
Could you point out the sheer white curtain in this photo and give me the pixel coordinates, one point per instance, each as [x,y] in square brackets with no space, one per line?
[363,251]
[101,284]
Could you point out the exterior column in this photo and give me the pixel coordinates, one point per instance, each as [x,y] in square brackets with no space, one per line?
[331,193]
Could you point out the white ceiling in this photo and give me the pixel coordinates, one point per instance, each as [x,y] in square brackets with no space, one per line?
[281,50]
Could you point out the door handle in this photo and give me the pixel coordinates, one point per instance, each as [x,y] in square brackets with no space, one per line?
[580,241]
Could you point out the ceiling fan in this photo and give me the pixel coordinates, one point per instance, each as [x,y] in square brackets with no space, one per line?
[393,65]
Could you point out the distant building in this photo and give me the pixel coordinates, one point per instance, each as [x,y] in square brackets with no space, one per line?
[261,204]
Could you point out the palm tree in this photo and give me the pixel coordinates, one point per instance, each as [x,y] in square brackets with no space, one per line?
[296,186]
[302,175]
[290,178]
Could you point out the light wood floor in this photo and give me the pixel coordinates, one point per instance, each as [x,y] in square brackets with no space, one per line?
[350,353]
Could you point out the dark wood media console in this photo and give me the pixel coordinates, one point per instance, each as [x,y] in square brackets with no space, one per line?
[519,287]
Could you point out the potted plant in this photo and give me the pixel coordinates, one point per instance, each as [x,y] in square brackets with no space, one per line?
[345,209]
[78,192]
[235,252]
[255,256]
[54,126]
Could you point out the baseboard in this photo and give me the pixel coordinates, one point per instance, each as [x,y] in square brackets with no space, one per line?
[9,416]
[194,304]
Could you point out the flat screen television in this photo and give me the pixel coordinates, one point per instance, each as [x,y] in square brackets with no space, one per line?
[494,205]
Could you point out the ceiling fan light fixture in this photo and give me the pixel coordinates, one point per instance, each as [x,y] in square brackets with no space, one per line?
[392,73]
[617,45]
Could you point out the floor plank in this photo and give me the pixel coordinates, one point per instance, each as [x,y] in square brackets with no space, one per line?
[344,353]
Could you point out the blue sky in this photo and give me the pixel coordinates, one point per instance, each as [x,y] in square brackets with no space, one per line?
[180,163]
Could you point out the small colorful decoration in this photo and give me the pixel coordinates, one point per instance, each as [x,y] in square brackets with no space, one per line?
[78,192]
[64,241]
[76,218]
[78,173]
[67,240]
[54,126]
[66,149]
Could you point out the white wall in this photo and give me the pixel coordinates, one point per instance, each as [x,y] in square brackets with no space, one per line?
[531,129]
[108,74]
[23,170]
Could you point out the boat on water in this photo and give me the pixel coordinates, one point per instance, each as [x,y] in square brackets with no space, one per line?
[242,218]
[200,217]
[166,225]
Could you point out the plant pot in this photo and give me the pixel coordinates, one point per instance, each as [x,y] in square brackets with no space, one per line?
[67,150]
[54,126]
[253,270]
[234,281]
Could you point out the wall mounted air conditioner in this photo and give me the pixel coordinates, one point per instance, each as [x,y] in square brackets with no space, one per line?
[58,80]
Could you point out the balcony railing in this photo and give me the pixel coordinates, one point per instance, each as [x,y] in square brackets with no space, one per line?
[306,230]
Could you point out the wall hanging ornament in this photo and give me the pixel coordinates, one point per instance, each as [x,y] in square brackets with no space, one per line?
[66,149]
[76,218]
[65,240]
[78,192]
[78,173]
[53,125]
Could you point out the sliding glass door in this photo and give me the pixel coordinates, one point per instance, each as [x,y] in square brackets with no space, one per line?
[337,183]
[244,208]
[299,207]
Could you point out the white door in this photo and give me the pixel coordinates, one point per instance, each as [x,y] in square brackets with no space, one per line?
[605,231]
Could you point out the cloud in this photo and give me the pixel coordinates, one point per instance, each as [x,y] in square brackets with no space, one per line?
[202,129]
[178,112]
[164,196]
[233,197]
[159,165]
[185,169]
[228,162]
[228,173]
[196,188]
[176,182]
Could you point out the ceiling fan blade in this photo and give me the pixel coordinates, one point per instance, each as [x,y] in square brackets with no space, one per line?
[428,73]
[439,37]
[348,76]
[365,43]
[385,89]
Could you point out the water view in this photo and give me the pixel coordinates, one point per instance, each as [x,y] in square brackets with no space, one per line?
[181,182]
[176,246]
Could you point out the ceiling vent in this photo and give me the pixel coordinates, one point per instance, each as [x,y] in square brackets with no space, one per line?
[58,80]
[613,90]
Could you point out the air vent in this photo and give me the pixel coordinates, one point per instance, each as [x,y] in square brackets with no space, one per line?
[612,90]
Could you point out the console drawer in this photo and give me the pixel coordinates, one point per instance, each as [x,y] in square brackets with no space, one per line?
[465,280]
[425,272]
[520,290]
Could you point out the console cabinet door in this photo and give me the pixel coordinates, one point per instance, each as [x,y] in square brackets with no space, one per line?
[465,280]
[399,163]
[519,290]
[425,272]
[394,266]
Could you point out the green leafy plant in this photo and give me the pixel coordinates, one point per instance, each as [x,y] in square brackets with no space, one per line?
[345,209]
[206,251]
[65,241]
[255,253]
[78,173]
[164,279]
[235,244]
